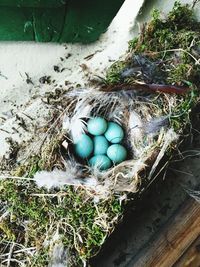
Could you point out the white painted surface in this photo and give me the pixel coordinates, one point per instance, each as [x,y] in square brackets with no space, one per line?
[38,60]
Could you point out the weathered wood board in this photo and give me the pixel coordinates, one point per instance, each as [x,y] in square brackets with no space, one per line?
[175,239]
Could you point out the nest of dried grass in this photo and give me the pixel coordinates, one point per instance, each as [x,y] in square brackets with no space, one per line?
[148,136]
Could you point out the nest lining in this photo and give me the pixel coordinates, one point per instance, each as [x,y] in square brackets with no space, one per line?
[148,136]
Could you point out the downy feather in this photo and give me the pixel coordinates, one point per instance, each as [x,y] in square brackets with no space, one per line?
[58,178]
[76,125]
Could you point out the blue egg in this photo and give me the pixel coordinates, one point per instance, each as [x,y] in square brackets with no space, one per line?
[84,146]
[117,153]
[100,145]
[102,162]
[97,126]
[114,133]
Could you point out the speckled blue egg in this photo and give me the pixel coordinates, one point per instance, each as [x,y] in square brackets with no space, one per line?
[114,133]
[117,153]
[100,145]
[102,162]
[84,146]
[97,126]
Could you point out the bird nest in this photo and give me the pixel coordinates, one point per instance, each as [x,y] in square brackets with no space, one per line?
[148,134]
[150,94]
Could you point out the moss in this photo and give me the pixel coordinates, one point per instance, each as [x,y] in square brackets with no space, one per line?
[179,29]
[6,231]
[75,214]
[114,71]
[170,43]
[29,168]
[48,158]
[40,259]
[180,119]
[181,73]
[182,17]
[48,153]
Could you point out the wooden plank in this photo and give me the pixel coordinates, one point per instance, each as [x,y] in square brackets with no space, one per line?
[173,240]
[191,258]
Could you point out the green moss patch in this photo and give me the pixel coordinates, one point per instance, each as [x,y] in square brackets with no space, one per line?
[35,216]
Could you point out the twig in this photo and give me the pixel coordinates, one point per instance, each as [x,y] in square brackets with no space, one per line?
[5,131]
[187,156]
[179,171]
[4,215]
[151,88]
[14,260]
[16,177]
[20,251]
[194,3]
[27,116]
[197,61]
[10,254]
[41,141]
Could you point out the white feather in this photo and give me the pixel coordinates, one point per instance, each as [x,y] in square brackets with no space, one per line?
[135,125]
[154,125]
[66,123]
[58,253]
[58,178]
[58,257]
[75,124]
[136,132]
[169,137]
[194,194]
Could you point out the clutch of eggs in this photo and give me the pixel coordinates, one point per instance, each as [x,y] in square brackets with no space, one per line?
[101,144]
